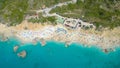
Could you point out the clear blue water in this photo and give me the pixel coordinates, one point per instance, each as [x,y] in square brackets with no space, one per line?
[55,55]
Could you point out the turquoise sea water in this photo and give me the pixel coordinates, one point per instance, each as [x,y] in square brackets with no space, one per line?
[56,55]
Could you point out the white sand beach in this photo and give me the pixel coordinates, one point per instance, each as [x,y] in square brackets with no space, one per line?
[104,39]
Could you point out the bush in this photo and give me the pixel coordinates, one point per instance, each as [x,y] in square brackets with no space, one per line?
[93,12]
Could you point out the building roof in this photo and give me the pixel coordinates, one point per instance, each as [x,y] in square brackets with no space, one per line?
[71,22]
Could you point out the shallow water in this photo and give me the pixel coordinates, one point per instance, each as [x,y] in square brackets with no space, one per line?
[56,55]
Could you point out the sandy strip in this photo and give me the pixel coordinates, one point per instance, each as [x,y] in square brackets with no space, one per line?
[27,31]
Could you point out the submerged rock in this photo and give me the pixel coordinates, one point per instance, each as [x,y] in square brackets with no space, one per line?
[22,54]
[15,48]
[108,50]
[35,41]
[67,44]
[4,38]
[43,43]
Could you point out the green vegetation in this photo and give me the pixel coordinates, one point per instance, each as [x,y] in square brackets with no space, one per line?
[13,12]
[37,4]
[105,13]
[43,20]
[100,12]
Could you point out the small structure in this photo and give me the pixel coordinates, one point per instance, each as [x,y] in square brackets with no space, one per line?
[77,23]
[86,25]
[72,23]
[61,30]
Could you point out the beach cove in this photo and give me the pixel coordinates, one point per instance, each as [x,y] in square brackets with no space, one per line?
[59,34]
[48,46]
[67,30]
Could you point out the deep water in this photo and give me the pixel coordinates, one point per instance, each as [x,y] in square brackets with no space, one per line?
[56,55]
